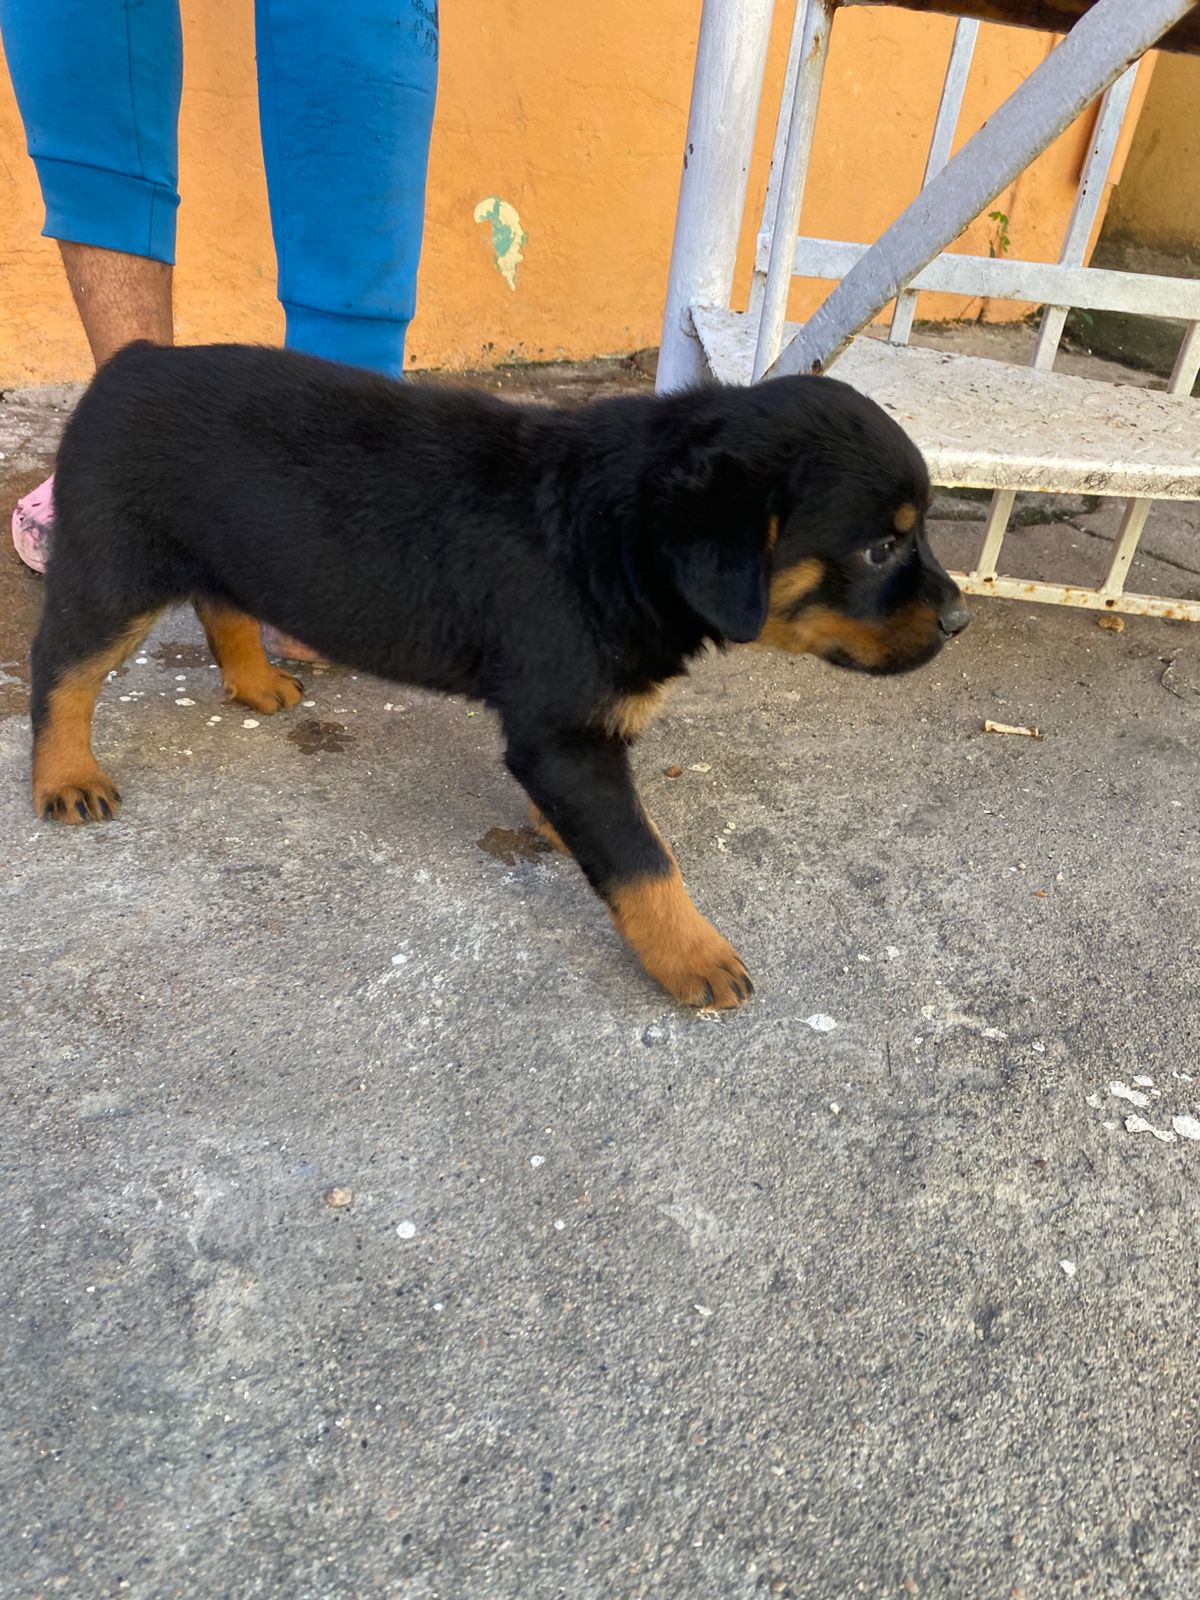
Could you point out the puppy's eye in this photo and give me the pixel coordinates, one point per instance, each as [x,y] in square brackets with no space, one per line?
[878,555]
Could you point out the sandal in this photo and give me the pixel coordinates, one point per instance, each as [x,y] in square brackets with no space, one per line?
[285,648]
[32,522]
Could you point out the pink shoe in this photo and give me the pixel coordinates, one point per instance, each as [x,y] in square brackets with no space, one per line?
[287,648]
[32,522]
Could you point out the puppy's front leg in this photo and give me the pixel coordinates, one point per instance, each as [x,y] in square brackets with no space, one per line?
[581,782]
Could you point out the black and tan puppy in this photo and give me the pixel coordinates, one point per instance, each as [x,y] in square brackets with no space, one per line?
[560,567]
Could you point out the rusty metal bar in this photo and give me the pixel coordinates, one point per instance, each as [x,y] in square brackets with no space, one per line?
[1061,594]
[1057,15]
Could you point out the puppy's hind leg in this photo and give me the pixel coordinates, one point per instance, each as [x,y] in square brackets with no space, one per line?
[74,651]
[249,677]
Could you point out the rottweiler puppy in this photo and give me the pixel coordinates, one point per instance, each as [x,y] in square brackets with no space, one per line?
[561,567]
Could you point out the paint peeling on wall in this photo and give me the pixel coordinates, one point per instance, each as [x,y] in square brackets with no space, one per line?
[507,235]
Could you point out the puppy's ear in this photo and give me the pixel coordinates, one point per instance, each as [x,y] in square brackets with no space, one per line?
[716,541]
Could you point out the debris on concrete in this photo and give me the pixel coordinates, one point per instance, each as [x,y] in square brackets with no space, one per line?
[1013,728]
[1136,1124]
[1122,1091]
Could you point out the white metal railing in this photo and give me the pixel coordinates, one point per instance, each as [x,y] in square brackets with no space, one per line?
[1093,59]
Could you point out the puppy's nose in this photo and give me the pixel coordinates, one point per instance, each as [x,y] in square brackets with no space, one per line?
[953,618]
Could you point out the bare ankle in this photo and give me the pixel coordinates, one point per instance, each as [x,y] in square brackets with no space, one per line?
[119,297]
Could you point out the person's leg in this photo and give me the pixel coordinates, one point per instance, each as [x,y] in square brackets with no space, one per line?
[118,297]
[98,84]
[346,95]
[346,92]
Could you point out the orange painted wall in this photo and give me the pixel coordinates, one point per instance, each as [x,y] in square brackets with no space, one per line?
[572,114]
[1159,205]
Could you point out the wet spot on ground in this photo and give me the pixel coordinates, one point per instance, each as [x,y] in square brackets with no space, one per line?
[511,845]
[314,737]
[182,655]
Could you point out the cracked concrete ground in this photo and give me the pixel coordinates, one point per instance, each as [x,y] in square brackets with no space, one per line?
[373,1227]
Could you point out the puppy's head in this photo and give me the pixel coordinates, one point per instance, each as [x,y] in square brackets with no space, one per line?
[807,529]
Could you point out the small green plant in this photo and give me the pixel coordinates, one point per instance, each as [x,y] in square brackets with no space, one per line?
[1000,244]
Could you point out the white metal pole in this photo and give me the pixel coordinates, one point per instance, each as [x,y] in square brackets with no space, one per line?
[766,229]
[730,57]
[1182,381]
[814,48]
[1088,198]
[949,108]
[1074,248]
[1101,45]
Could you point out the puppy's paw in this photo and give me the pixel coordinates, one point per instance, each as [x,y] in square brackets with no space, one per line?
[708,974]
[676,944]
[76,798]
[267,691]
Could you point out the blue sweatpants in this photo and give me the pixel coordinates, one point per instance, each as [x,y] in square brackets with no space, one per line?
[346,93]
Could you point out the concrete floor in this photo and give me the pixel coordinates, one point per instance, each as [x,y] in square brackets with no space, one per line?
[374,1227]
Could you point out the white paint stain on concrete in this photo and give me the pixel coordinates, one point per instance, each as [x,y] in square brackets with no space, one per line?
[704,1231]
[508,236]
[1122,1091]
[1140,1125]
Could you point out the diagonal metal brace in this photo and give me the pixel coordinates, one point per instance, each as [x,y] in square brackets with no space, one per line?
[1101,45]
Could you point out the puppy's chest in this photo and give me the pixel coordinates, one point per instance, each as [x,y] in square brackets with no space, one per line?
[627,716]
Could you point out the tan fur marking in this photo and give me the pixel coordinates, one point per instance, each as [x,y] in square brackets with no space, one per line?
[676,945]
[249,678]
[630,716]
[547,829]
[772,532]
[68,783]
[903,637]
[793,583]
[905,519]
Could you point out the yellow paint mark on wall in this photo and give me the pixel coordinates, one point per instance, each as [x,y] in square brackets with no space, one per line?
[507,235]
